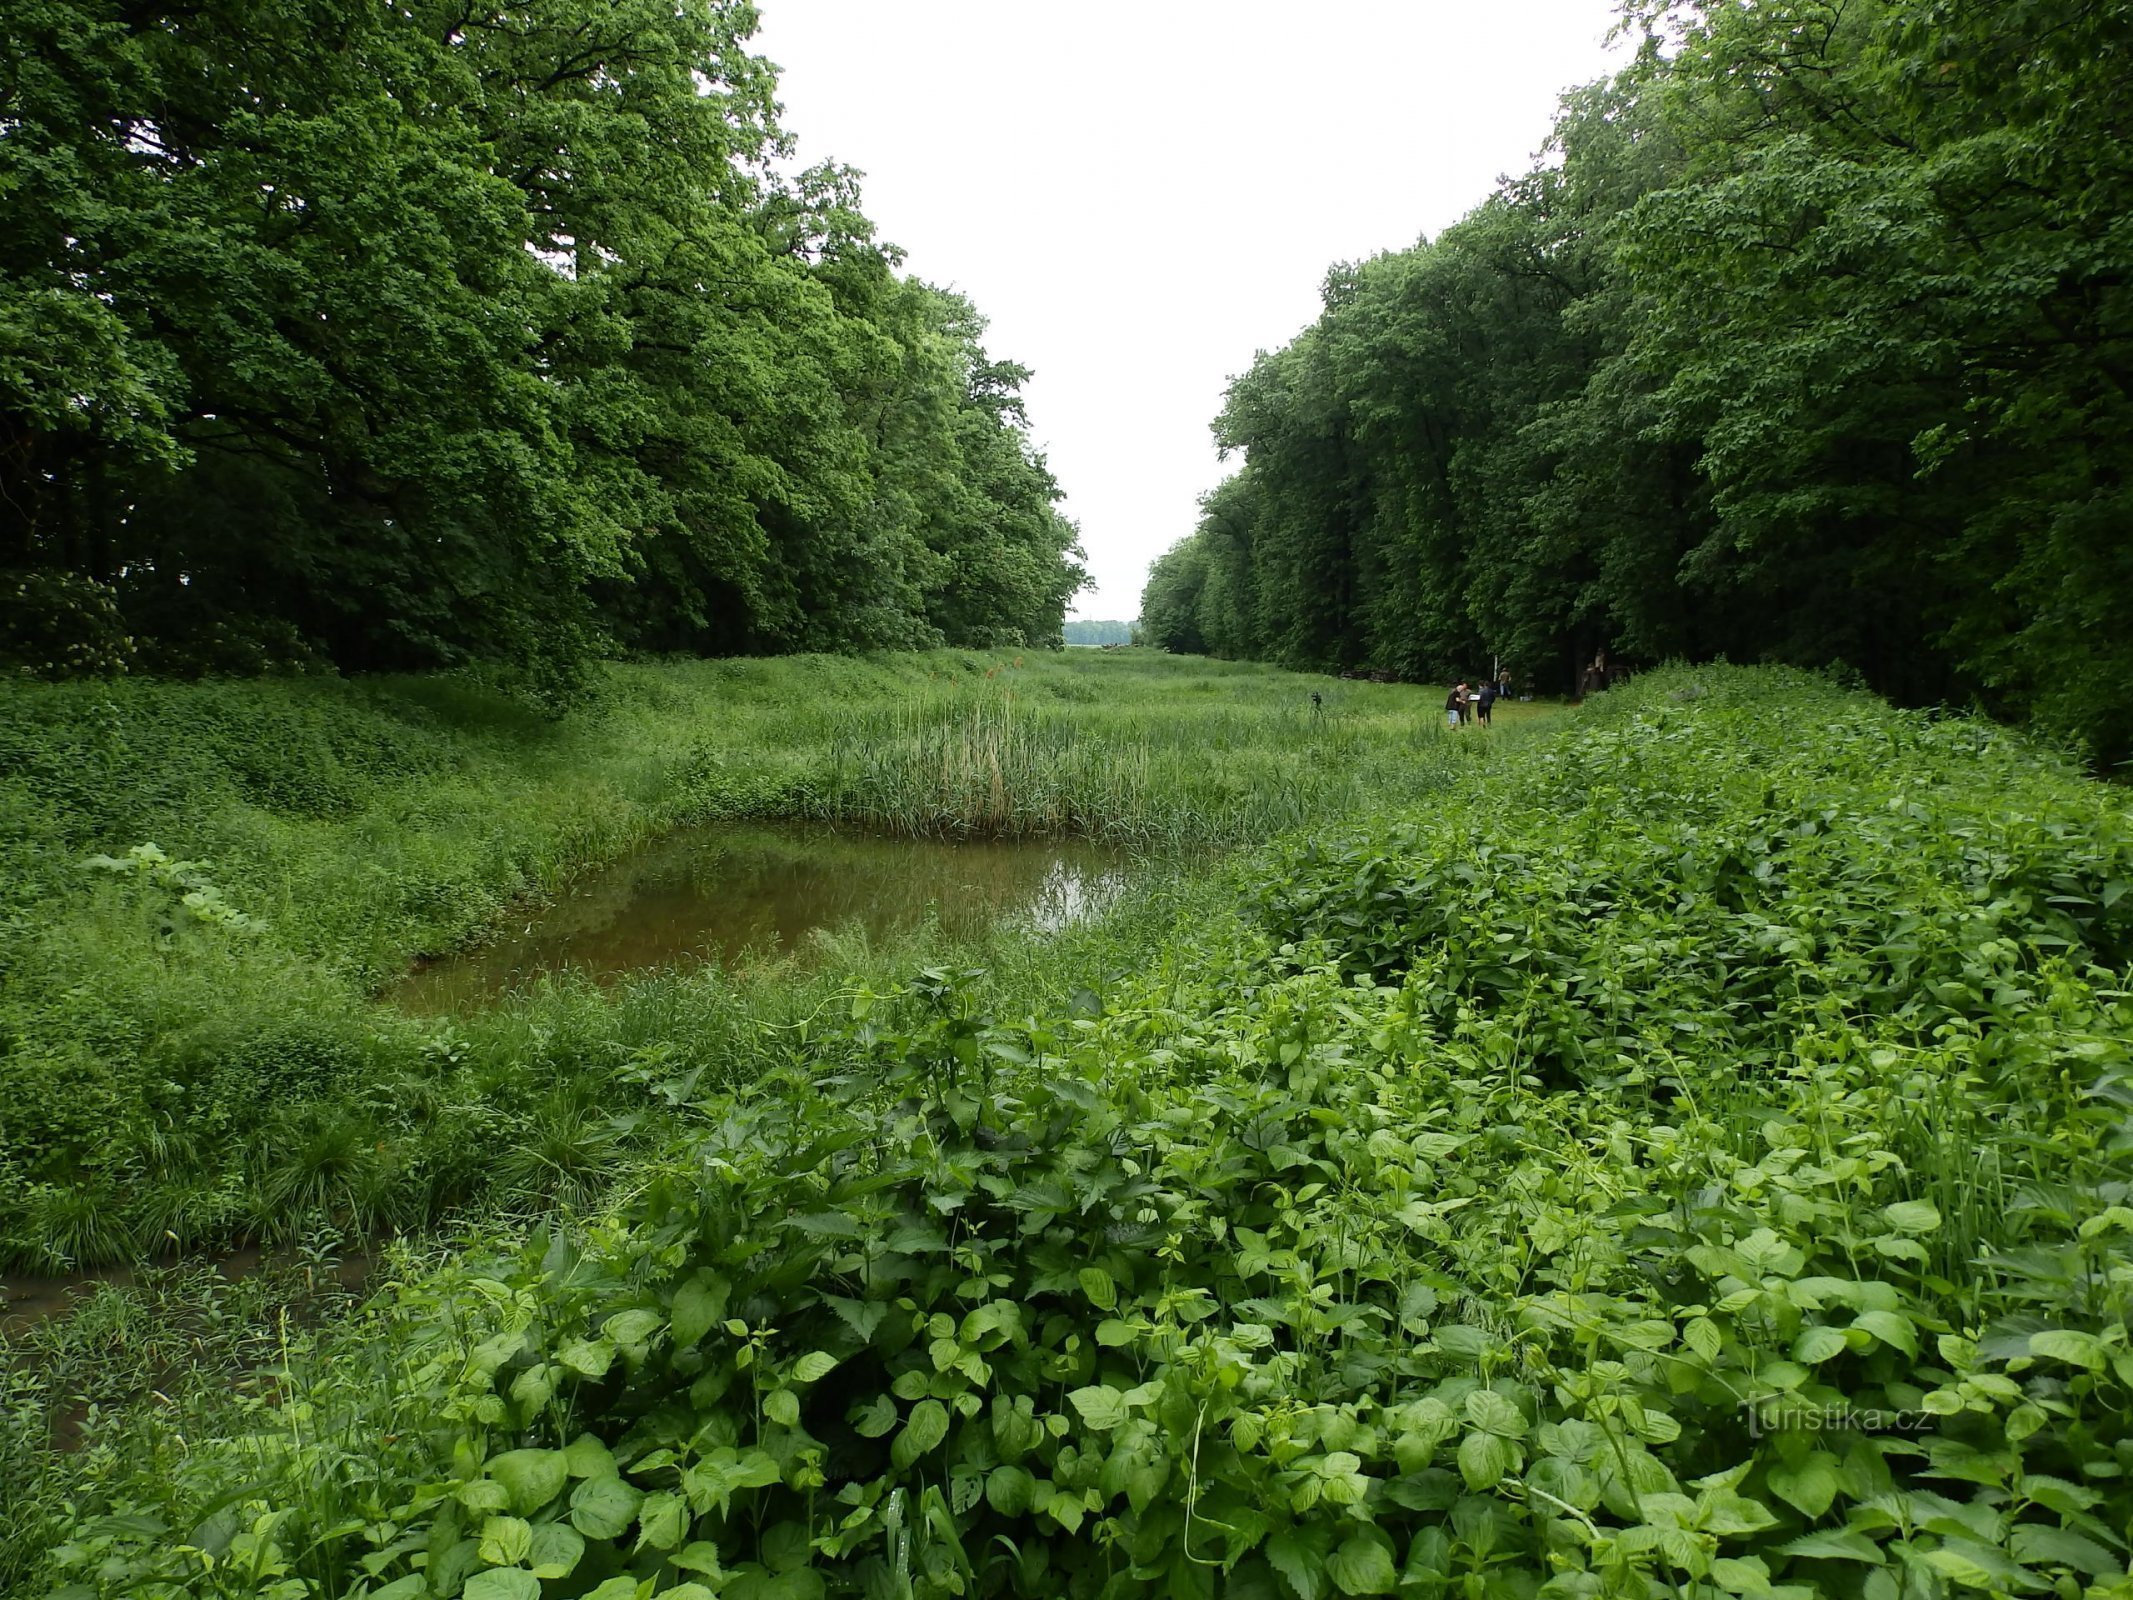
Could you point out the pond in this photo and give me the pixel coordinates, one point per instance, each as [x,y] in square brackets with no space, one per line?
[719,894]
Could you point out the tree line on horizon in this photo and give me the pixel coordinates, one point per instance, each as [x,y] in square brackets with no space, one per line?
[1091,631]
[418,335]
[1808,338]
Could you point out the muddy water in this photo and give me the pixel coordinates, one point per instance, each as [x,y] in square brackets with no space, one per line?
[27,1299]
[723,894]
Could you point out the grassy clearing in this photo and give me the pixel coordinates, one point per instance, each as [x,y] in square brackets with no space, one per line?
[173,1078]
[188,1053]
[1685,1158]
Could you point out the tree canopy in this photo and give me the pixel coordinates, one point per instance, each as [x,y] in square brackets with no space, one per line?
[407,336]
[1808,339]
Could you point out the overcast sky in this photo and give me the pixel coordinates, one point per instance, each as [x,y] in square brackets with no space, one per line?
[1141,196]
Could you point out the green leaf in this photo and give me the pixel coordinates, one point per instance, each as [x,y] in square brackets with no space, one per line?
[483,1495]
[1101,1407]
[2043,1546]
[1810,1486]
[1729,1515]
[632,1327]
[1818,1344]
[662,1520]
[1846,1544]
[1741,1576]
[1484,1460]
[1891,1328]
[1136,1467]
[1912,1216]
[876,1418]
[701,1555]
[603,1508]
[557,1547]
[698,1304]
[927,1427]
[2057,1494]
[533,1388]
[2068,1345]
[814,1367]
[588,1358]
[782,1406]
[502,1583]
[1008,1490]
[1099,1286]
[531,1477]
[863,1317]
[1063,1508]
[1493,1413]
[1981,1566]
[1299,1555]
[758,1469]
[1362,1565]
[505,1541]
[587,1457]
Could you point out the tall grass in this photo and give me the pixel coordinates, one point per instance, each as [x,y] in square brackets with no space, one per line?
[1128,774]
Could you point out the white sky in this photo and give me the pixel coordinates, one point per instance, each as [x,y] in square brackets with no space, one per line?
[1140,197]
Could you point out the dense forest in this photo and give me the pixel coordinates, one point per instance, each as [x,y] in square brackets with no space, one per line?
[1808,338]
[408,336]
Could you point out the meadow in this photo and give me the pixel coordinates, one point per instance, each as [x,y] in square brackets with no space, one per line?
[205,884]
[1676,1148]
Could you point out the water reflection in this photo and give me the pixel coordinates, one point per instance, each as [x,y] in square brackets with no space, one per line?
[717,894]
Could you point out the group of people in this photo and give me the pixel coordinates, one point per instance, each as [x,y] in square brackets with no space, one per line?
[1467,704]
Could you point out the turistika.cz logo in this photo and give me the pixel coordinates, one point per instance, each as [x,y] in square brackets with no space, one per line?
[1797,1416]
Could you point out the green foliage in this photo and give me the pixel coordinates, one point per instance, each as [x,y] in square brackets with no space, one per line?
[196,897]
[1809,342]
[1688,1160]
[76,1386]
[60,625]
[188,1048]
[411,336]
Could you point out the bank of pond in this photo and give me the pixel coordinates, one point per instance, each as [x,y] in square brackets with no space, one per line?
[726,893]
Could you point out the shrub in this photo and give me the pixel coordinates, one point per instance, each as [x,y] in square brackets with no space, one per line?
[61,625]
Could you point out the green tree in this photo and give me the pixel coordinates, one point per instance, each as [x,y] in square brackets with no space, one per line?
[1810,340]
[417,335]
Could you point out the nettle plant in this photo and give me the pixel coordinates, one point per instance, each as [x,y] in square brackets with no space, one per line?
[1375,1254]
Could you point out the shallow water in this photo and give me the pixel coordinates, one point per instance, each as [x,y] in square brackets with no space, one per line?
[719,894]
[27,1299]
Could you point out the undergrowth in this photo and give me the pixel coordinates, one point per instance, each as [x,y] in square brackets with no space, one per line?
[202,886]
[1689,1160]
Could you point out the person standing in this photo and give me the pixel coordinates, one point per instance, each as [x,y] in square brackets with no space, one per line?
[1485,702]
[1455,705]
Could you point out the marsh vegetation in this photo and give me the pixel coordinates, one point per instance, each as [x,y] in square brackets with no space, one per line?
[1672,1147]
